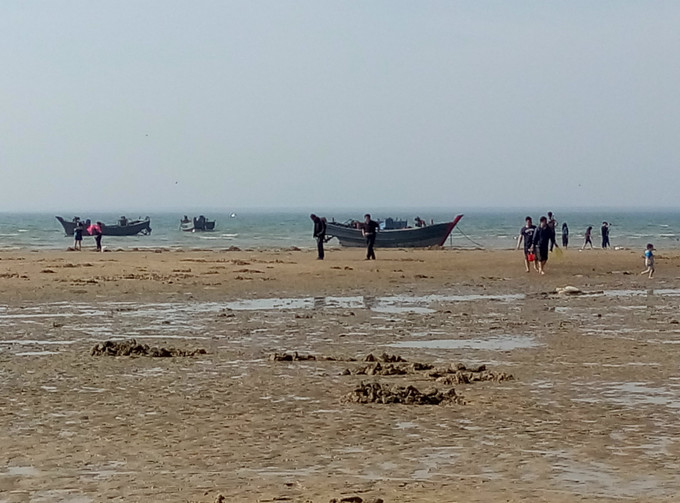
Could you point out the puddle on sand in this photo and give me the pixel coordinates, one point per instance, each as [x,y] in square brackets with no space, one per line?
[599,479]
[631,394]
[664,292]
[20,471]
[61,495]
[390,304]
[36,353]
[498,343]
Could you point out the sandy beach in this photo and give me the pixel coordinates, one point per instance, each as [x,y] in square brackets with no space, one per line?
[579,399]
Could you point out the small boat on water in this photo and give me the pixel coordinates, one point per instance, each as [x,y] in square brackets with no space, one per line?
[394,235]
[199,224]
[124,227]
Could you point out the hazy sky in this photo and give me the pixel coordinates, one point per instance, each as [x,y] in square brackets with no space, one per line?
[159,104]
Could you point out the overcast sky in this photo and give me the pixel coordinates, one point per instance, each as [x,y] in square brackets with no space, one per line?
[164,104]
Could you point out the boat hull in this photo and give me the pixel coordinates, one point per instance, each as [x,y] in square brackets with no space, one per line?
[417,237]
[132,228]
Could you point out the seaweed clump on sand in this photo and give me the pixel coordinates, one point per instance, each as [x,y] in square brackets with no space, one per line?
[131,347]
[408,395]
[460,374]
[296,357]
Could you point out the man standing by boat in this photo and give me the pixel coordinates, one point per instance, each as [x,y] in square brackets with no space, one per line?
[369,231]
[319,234]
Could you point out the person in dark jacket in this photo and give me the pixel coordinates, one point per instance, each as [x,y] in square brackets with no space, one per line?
[78,236]
[544,236]
[565,235]
[605,235]
[319,234]
[370,231]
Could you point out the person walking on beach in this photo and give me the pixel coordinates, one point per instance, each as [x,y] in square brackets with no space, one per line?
[319,234]
[526,234]
[649,260]
[96,231]
[552,223]
[78,236]
[369,231]
[544,236]
[588,240]
[605,235]
[565,235]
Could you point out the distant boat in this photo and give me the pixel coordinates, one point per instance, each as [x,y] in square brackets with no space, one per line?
[349,234]
[124,227]
[199,224]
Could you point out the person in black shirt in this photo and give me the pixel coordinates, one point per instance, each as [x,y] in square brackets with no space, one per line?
[319,234]
[544,236]
[78,236]
[526,234]
[605,234]
[369,231]
[552,223]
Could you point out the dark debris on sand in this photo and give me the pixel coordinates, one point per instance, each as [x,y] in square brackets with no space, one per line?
[459,374]
[388,369]
[297,357]
[355,499]
[384,394]
[131,347]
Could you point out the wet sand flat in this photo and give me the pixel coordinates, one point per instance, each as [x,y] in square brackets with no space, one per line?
[591,413]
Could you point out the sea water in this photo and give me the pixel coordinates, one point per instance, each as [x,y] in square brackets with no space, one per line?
[264,229]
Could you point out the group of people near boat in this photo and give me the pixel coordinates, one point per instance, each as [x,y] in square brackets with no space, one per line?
[369,230]
[92,229]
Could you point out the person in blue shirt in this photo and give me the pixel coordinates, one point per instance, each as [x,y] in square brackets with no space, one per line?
[649,260]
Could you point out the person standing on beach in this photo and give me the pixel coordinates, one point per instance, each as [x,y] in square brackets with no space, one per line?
[526,234]
[588,239]
[370,231]
[96,231]
[649,260]
[552,223]
[565,235]
[544,236]
[605,235]
[319,234]
[78,236]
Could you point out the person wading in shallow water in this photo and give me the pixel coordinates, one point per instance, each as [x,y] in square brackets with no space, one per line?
[369,231]
[319,234]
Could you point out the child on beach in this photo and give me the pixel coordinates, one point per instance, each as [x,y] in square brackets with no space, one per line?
[649,260]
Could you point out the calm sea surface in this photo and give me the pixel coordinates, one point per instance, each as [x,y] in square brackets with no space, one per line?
[283,229]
